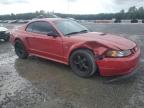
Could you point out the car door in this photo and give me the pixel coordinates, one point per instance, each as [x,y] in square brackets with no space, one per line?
[40,43]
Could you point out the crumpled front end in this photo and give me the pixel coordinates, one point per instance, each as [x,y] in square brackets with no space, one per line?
[119,66]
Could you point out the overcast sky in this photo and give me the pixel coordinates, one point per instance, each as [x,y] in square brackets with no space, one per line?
[67,6]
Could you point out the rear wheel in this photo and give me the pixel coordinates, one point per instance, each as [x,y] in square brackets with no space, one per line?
[20,50]
[83,63]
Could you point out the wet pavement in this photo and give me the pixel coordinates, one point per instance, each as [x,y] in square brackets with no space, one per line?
[40,83]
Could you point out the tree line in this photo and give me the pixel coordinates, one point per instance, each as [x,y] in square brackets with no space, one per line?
[132,13]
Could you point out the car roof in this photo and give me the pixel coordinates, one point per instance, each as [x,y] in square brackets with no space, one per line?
[48,19]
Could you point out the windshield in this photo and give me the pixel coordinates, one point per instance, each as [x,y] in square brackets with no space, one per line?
[68,27]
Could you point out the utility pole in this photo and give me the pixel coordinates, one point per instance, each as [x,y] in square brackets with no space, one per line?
[68,6]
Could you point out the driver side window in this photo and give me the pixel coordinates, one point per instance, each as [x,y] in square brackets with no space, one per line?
[40,27]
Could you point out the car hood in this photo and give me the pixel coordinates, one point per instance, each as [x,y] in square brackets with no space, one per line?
[3,29]
[109,40]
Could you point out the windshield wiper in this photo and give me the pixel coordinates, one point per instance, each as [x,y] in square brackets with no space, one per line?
[82,31]
[72,33]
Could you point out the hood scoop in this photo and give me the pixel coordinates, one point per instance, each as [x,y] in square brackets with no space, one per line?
[103,34]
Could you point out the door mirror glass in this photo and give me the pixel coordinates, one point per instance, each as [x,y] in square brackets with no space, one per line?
[52,34]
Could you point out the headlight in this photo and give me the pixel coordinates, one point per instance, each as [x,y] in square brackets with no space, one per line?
[118,53]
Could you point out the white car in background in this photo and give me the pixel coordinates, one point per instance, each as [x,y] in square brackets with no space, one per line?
[4,33]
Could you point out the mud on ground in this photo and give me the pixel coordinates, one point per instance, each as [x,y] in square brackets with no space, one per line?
[39,83]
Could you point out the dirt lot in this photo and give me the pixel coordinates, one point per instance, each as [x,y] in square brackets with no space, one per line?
[39,83]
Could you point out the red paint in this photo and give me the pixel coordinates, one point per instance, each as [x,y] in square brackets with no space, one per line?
[59,48]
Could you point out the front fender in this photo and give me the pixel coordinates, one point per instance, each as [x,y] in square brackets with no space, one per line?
[96,48]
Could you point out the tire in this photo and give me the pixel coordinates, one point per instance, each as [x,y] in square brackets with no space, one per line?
[83,63]
[20,50]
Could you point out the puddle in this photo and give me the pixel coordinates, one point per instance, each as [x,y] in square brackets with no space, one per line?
[39,83]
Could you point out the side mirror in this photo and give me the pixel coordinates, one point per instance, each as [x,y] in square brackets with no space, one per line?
[52,34]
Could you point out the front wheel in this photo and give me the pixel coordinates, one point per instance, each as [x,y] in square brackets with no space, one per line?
[20,50]
[83,63]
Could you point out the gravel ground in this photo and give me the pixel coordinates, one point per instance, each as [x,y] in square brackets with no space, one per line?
[39,83]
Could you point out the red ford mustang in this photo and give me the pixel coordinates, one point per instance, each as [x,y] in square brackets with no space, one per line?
[68,42]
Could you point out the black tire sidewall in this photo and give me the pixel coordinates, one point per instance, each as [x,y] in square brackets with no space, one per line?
[90,57]
[24,55]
